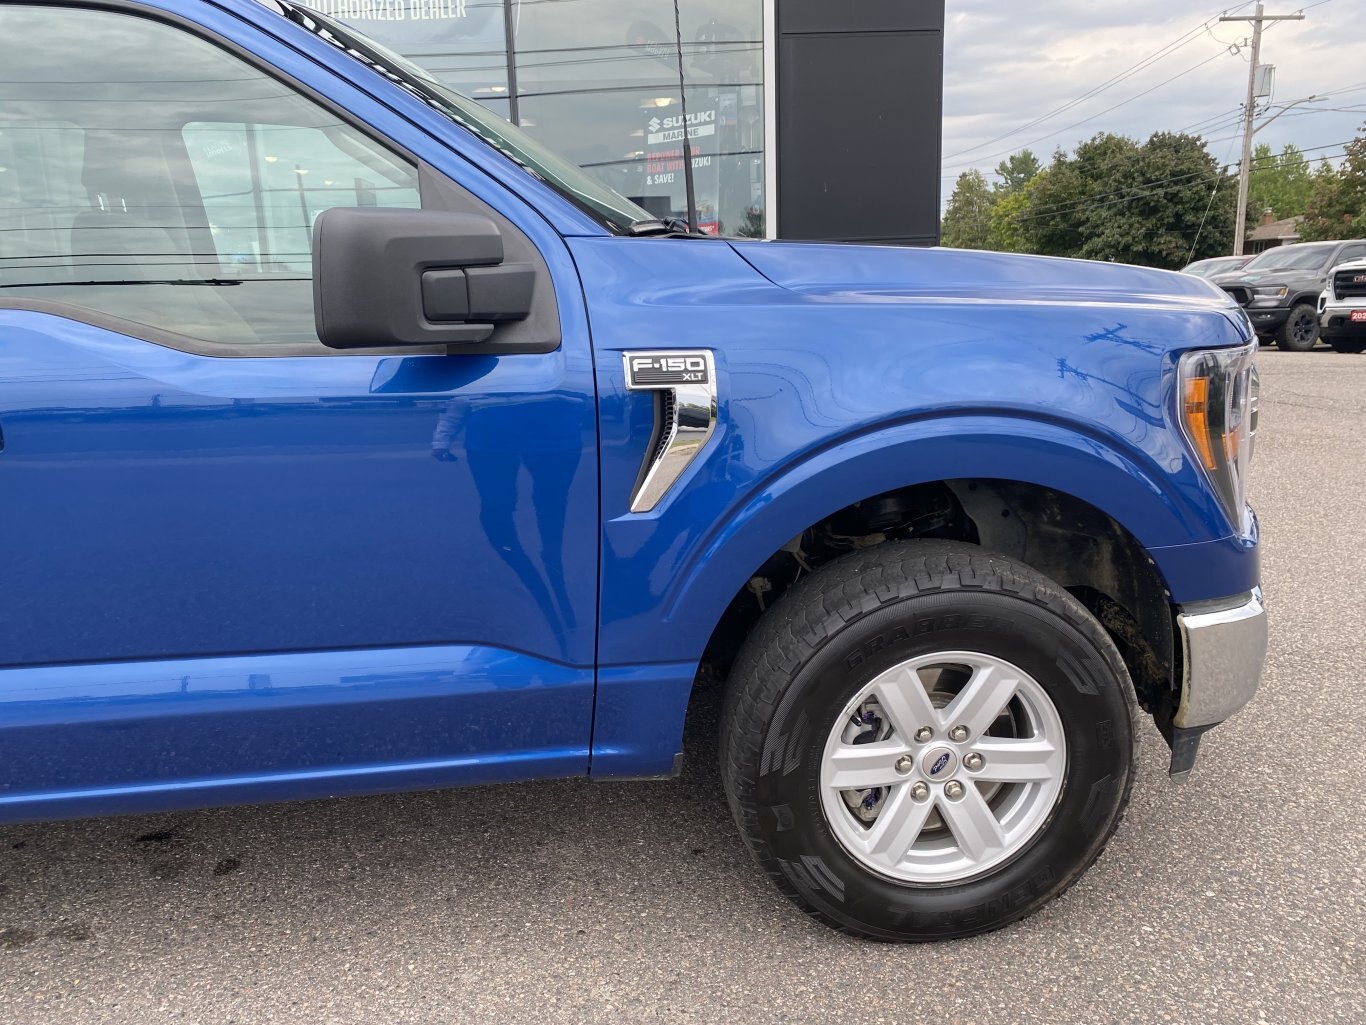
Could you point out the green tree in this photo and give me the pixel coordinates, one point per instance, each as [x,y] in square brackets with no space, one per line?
[1010,228]
[967,221]
[1337,205]
[1057,216]
[1016,172]
[1160,204]
[1280,182]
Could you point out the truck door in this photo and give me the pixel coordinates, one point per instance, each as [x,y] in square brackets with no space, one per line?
[238,565]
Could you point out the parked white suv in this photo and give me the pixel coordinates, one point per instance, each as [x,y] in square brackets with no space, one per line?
[1342,308]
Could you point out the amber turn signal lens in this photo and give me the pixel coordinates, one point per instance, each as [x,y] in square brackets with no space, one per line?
[1197,420]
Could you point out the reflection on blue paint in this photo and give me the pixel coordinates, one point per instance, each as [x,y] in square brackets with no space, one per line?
[137,726]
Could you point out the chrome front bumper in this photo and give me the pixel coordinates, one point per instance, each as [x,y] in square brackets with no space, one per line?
[1225,646]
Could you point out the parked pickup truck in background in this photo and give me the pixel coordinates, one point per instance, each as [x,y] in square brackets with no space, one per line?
[1342,308]
[354,443]
[1280,289]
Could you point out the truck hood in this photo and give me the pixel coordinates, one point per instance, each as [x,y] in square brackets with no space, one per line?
[890,272]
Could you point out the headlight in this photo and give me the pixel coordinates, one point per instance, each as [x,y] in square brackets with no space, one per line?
[1219,417]
[1270,292]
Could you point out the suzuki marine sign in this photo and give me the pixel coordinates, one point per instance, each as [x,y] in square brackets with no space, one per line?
[670,129]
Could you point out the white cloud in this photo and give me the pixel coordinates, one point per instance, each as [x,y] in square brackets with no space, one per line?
[1007,63]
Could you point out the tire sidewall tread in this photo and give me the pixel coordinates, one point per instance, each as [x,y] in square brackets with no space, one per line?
[788,676]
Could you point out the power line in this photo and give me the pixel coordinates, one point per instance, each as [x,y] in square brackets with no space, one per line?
[1062,207]
[1214,192]
[1257,163]
[1090,205]
[1181,41]
[1310,149]
[1177,44]
[1212,130]
[1340,89]
[1220,121]
[1327,110]
[1108,110]
[1144,190]
[1203,123]
[1218,124]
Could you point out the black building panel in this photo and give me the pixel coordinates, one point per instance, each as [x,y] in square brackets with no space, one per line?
[860,15]
[860,98]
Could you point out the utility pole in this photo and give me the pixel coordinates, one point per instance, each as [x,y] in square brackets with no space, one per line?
[1249,113]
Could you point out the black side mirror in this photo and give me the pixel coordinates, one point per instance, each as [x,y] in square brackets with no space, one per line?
[393,277]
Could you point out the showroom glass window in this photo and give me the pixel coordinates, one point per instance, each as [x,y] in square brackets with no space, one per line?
[178,193]
[597,81]
[462,42]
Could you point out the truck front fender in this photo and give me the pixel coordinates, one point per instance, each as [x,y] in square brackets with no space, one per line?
[665,592]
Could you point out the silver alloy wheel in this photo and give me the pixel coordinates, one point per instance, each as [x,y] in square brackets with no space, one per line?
[1014,732]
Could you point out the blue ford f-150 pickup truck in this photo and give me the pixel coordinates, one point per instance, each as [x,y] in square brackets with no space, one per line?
[352,442]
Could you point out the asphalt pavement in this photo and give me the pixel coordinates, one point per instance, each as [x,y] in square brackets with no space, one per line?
[1239,897]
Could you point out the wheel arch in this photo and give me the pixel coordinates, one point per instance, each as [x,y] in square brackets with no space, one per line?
[1032,453]
[1029,469]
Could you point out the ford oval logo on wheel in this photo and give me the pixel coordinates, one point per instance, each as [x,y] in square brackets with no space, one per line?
[939,764]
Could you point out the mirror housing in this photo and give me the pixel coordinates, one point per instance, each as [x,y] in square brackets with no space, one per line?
[387,277]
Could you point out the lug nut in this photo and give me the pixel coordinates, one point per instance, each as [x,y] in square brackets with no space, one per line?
[905,764]
[924,735]
[953,790]
[973,761]
[920,791]
[958,734]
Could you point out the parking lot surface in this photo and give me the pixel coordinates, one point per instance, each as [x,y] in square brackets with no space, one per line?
[1239,897]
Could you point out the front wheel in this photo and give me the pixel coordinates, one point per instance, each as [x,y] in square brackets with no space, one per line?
[926,741]
[1300,331]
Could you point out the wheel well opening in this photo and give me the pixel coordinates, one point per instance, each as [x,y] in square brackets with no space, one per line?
[1077,545]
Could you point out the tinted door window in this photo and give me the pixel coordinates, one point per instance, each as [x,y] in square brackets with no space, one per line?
[263,185]
[1356,252]
[177,193]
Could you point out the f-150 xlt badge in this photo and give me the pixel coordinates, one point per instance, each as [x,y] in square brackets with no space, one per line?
[665,370]
[685,415]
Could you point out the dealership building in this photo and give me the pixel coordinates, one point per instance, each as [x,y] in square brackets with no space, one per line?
[808,119]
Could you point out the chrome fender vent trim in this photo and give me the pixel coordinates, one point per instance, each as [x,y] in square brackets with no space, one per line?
[685,415]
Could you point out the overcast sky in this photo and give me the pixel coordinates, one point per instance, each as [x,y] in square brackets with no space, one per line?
[1008,62]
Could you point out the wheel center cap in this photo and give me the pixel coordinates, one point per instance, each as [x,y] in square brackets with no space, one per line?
[940,763]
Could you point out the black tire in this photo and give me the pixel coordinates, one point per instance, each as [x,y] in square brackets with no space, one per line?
[1351,346]
[830,635]
[1300,332]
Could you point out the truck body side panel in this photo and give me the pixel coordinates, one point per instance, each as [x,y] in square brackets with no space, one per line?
[113,738]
